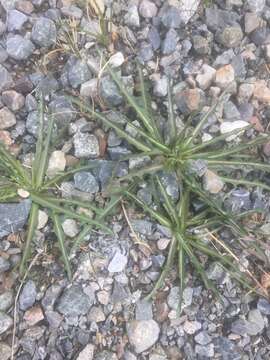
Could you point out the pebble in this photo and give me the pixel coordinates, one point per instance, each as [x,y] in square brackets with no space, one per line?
[4,265]
[117,263]
[261,92]
[256,319]
[154,38]
[260,36]
[44,32]
[78,73]
[89,89]
[13,217]
[57,163]
[205,77]
[256,5]
[86,145]
[5,322]
[70,228]
[16,20]
[74,302]
[142,334]
[109,92]
[85,181]
[33,315]
[116,60]
[205,351]
[42,219]
[5,351]
[202,338]
[188,100]
[7,118]
[224,76]
[188,9]
[230,36]
[72,11]
[2,27]
[191,327]
[87,353]
[228,126]
[161,86]
[147,9]
[212,182]
[6,300]
[96,314]
[252,22]
[201,45]
[13,100]
[263,306]
[171,17]
[170,42]
[19,48]
[28,295]
[5,79]
[144,310]
[25,6]
[132,17]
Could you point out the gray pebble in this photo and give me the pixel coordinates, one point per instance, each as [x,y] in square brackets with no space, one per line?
[19,48]
[74,302]
[16,20]
[28,295]
[85,181]
[44,32]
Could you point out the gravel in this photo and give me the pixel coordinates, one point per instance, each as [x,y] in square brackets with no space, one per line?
[13,217]
[28,295]
[142,334]
[74,302]
[19,48]
[44,32]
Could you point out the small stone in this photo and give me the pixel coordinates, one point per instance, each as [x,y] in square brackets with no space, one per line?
[231,36]
[224,76]
[252,22]
[263,306]
[103,297]
[78,73]
[62,109]
[5,79]
[57,163]
[70,228]
[28,295]
[132,17]
[203,338]
[188,9]
[201,45]
[261,92]
[142,334]
[257,321]
[147,9]
[5,351]
[205,350]
[96,315]
[74,302]
[212,182]
[42,219]
[89,89]
[87,353]
[2,27]
[206,76]
[144,310]
[33,315]
[256,5]
[161,87]
[85,181]
[188,100]
[245,92]
[44,32]
[19,48]
[4,265]
[7,118]
[260,36]
[16,20]
[13,217]
[170,42]
[25,6]
[143,227]
[13,100]
[191,327]
[6,300]
[5,322]
[109,92]
[116,60]
[228,126]
[117,263]
[72,11]
[145,53]
[171,17]
[86,145]
[154,38]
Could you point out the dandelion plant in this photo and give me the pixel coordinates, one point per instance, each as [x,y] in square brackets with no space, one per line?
[179,151]
[16,180]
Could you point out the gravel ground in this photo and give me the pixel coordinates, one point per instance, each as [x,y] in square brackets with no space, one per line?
[203,47]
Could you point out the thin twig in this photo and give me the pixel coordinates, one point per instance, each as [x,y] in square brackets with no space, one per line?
[16,301]
[138,240]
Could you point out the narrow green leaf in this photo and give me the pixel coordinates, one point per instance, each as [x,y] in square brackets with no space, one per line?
[39,144]
[245,182]
[171,116]
[31,229]
[61,240]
